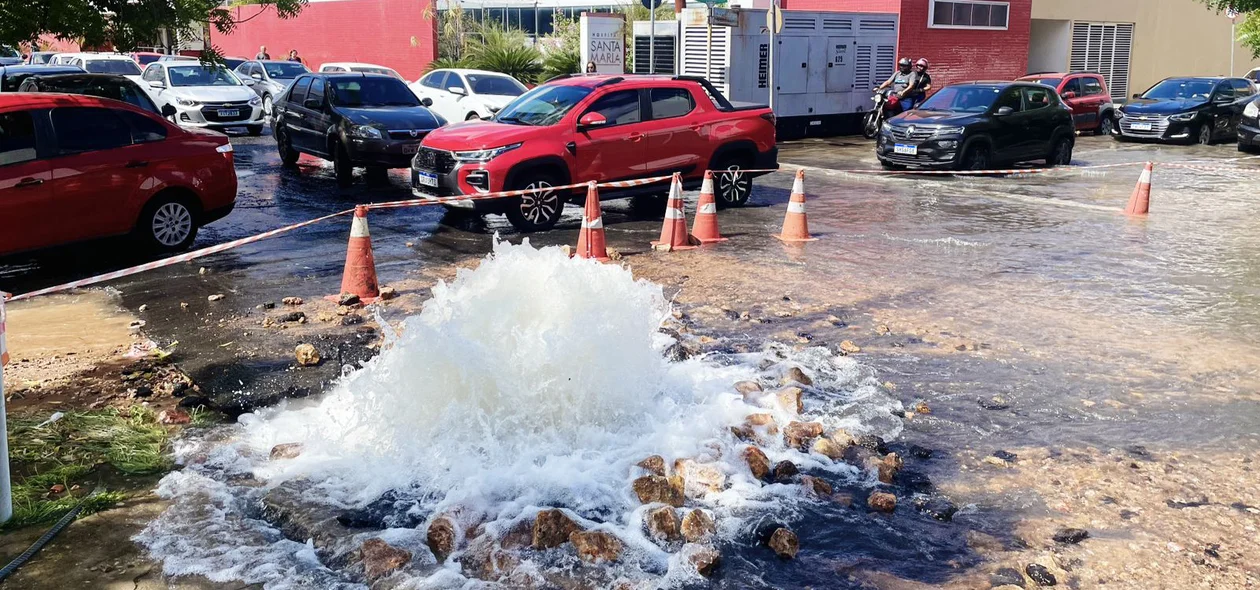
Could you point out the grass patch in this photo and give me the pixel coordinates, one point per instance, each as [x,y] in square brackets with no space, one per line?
[70,450]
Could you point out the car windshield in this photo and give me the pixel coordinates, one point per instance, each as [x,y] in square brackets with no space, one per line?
[120,89]
[966,99]
[6,51]
[370,70]
[1181,89]
[39,59]
[1051,82]
[202,76]
[146,59]
[284,69]
[232,62]
[371,91]
[124,67]
[544,105]
[500,85]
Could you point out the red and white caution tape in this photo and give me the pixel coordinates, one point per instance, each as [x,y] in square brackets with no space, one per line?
[513,193]
[1216,169]
[4,349]
[109,276]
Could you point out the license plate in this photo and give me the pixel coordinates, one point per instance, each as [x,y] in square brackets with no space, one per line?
[411,149]
[229,113]
[426,178]
[1141,126]
[909,150]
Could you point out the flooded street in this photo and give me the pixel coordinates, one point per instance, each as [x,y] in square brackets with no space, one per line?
[1038,361]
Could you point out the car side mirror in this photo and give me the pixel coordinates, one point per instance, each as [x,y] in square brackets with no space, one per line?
[1137,95]
[1223,100]
[1069,95]
[592,119]
[256,76]
[426,102]
[168,110]
[457,90]
[157,84]
[248,81]
[1004,111]
[311,103]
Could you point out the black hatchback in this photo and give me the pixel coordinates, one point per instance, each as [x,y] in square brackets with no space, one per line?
[974,126]
[355,120]
[1193,110]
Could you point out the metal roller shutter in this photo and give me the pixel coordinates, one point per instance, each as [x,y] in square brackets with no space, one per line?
[1104,48]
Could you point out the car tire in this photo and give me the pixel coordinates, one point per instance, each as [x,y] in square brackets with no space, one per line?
[1106,126]
[288,155]
[342,168]
[1060,153]
[1203,135]
[472,117]
[974,157]
[731,185]
[255,130]
[268,108]
[168,223]
[540,210]
[1247,148]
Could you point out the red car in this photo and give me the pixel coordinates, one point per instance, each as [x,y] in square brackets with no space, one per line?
[76,167]
[597,127]
[1086,94]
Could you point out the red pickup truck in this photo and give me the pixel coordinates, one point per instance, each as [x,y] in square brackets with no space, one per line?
[597,127]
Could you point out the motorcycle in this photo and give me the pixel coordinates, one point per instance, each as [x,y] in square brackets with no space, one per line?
[886,105]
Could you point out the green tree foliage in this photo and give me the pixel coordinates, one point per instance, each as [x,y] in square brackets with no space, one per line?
[1248,21]
[123,24]
[562,51]
[506,51]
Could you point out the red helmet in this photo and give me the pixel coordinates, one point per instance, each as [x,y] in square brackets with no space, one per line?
[923,62]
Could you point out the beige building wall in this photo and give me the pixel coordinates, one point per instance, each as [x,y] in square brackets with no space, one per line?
[1170,37]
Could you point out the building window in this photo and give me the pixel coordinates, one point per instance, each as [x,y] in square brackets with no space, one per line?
[969,14]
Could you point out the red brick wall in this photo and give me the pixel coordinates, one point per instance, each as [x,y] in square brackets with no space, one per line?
[392,33]
[956,54]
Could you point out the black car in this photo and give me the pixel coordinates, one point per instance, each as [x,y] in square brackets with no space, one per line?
[11,77]
[976,125]
[1249,127]
[110,86]
[1194,110]
[354,120]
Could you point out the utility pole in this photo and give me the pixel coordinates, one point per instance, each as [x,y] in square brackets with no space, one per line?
[652,39]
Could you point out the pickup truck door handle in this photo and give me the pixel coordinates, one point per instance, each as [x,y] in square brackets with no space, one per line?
[636,137]
[25,182]
[137,164]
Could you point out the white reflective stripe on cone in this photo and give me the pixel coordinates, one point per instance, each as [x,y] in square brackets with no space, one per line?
[795,207]
[359,228]
[674,213]
[706,188]
[708,208]
[1145,178]
[597,223]
[798,187]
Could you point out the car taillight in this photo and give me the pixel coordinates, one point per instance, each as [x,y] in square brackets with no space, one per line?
[769,117]
[227,151]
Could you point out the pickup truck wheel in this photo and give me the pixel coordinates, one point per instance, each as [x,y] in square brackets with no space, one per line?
[733,185]
[288,155]
[540,209]
[167,224]
[342,167]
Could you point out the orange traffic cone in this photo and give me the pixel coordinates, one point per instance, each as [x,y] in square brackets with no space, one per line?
[591,242]
[674,231]
[359,277]
[1140,201]
[705,228]
[795,224]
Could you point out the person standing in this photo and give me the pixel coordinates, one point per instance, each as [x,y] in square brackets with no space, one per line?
[293,56]
[262,53]
[591,68]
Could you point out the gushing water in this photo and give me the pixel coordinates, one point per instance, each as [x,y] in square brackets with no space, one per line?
[532,382]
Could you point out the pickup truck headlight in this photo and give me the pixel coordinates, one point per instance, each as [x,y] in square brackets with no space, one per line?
[1252,110]
[188,102]
[365,132]
[476,156]
[1183,117]
[950,130]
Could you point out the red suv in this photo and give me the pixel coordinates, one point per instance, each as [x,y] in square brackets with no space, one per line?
[597,127]
[75,167]
[1086,94]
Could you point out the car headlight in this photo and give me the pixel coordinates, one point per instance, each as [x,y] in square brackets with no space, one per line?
[950,130]
[886,128]
[255,101]
[188,102]
[1252,110]
[1183,117]
[365,132]
[484,155]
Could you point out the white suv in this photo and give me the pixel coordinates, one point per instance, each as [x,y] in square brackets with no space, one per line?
[467,95]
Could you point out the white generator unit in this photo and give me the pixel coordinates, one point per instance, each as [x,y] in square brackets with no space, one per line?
[825,64]
[666,47]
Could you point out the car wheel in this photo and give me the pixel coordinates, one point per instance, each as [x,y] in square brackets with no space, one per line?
[1204,135]
[1061,154]
[1106,126]
[540,209]
[342,167]
[255,130]
[167,224]
[975,158]
[288,155]
[472,117]
[267,105]
[732,186]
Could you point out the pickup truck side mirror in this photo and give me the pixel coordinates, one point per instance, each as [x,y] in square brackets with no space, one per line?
[1004,111]
[1069,95]
[426,102]
[592,119]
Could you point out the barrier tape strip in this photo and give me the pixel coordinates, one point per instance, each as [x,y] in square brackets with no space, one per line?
[4,350]
[109,276]
[1220,169]
[513,193]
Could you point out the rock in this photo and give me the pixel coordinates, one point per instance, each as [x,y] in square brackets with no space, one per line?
[995,403]
[658,489]
[663,524]
[442,537]
[215,297]
[353,319]
[292,317]
[749,390]
[552,528]
[797,435]
[142,391]
[848,347]
[882,501]
[203,270]
[596,546]
[796,375]
[1007,456]
[1040,574]
[991,460]
[183,305]
[784,543]
[889,466]
[143,308]
[381,559]
[784,471]
[919,452]
[1070,536]
[744,433]
[290,301]
[844,500]
[789,398]
[285,451]
[828,448]
[307,355]
[194,401]
[1007,576]
[816,486]
[842,437]
[937,507]
[57,489]
[704,558]
[872,442]
[762,420]
[327,317]
[699,478]
[882,329]
[654,465]
[698,526]
[922,408]
[387,293]
[348,299]
[757,461]
[265,305]
[175,416]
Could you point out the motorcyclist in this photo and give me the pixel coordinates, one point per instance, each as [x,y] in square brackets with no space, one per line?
[921,87]
[902,80]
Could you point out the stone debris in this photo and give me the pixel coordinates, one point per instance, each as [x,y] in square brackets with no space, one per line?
[290,301]
[596,546]
[1040,574]
[784,471]
[663,524]
[889,466]
[848,347]
[816,486]
[757,461]
[654,465]
[882,502]
[785,543]
[1070,536]
[441,537]
[307,355]
[699,478]
[285,451]
[789,398]
[653,489]
[387,293]
[552,528]
[796,375]
[704,558]
[797,435]
[215,297]
[381,559]
[698,526]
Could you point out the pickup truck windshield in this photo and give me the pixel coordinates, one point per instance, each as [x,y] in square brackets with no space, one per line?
[542,106]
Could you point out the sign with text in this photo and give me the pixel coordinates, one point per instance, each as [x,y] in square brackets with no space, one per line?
[723,17]
[603,43]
